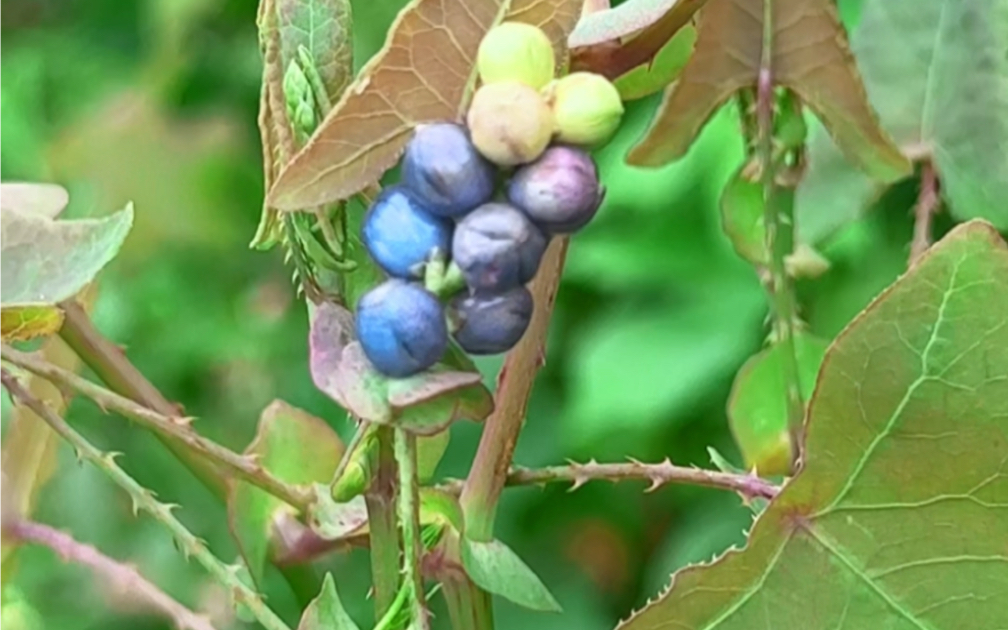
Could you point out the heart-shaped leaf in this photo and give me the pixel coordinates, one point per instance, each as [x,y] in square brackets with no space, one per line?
[297,448]
[897,516]
[424,72]
[496,569]
[937,73]
[425,404]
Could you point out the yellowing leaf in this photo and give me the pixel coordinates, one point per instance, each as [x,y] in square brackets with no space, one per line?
[424,73]
[21,323]
[808,54]
[897,518]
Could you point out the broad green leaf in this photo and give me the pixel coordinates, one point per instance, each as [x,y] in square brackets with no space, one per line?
[654,76]
[21,323]
[896,518]
[757,406]
[425,403]
[47,200]
[297,448]
[742,211]
[47,261]
[809,55]
[425,72]
[496,569]
[324,28]
[326,611]
[937,73]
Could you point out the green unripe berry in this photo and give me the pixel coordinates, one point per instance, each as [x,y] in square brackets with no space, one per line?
[510,123]
[587,108]
[515,51]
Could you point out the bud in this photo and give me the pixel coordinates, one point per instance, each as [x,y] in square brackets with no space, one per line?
[587,108]
[560,191]
[509,122]
[515,51]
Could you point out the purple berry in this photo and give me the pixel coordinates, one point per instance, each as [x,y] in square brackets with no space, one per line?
[445,170]
[560,191]
[401,328]
[491,324]
[401,233]
[497,248]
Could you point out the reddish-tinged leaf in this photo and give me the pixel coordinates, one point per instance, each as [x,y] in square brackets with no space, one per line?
[424,73]
[629,18]
[809,55]
[897,516]
[297,448]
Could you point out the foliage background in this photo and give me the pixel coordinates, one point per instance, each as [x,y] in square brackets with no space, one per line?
[155,101]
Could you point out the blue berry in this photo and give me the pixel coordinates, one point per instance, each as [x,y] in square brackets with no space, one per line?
[446,171]
[497,248]
[401,233]
[491,324]
[401,328]
[560,191]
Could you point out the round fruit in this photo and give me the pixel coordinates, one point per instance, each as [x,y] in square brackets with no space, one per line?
[560,191]
[491,324]
[401,233]
[445,171]
[515,51]
[497,248]
[401,328]
[587,108]
[510,123]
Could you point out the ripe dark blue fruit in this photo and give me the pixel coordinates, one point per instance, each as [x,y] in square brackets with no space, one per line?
[446,171]
[560,191]
[491,324]
[497,248]
[401,328]
[401,233]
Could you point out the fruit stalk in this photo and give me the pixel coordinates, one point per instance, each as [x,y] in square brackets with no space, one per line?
[409,520]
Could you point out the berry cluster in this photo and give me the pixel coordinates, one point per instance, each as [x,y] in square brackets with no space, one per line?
[449,218]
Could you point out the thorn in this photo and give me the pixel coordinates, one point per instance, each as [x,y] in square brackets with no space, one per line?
[655,484]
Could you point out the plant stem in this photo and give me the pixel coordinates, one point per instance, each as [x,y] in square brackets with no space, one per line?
[110,364]
[490,467]
[409,520]
[924,211]
[123,577]
[469,607]
[749,486]
[143,499]
[381,507]
[175,428]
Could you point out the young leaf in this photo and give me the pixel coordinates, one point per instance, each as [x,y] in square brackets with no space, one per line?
[742,212]
[430,450]
[937,73]
[808,54]
[325,29]
[47,200]
[654,76]
[757,406]
[496,569]
[424,72]
[336,521]
[299,449]
[890,522]
[326,611]
[425,403]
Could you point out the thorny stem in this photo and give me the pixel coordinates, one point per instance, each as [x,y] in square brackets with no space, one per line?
[143,499]
[749,486]
[381,508]
[174,427]
[110,364]
[409,521]
[123,577]
[924,211]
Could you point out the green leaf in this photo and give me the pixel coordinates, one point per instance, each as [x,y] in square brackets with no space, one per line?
[47,261]
[809,56]
[757,406]
[892,520]
[937,73]
[326,611]
[336,521]
[654,76]
[403,85]
[496,569]
[742,212]
[297,448]
[425,403]
[430,450]
[324,28]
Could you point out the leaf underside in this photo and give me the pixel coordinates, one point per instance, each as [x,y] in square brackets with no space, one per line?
[897,517]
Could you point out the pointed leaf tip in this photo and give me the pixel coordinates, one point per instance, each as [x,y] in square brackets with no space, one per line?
[494,567]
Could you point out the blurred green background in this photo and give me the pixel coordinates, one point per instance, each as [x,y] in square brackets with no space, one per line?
[155,101]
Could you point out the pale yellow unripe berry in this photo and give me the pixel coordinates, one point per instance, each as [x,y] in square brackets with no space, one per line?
[515,51]
[509,122]
[587,108]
